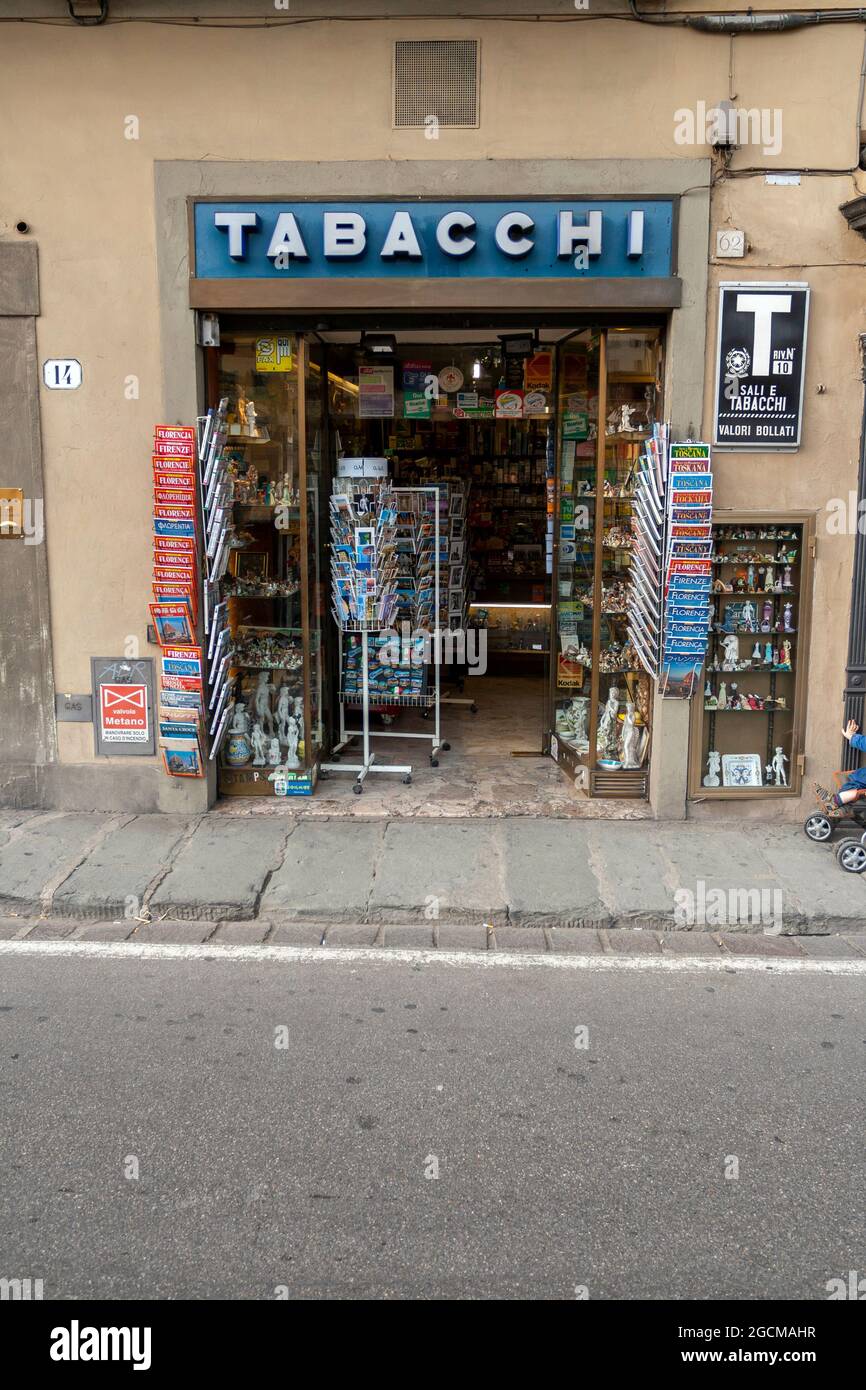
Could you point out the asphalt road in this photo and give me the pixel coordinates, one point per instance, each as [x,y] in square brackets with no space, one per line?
[303,1167]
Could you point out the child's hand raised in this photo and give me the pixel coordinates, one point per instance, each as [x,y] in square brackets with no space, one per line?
[850,728]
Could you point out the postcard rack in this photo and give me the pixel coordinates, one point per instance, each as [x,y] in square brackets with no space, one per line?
[385,573]
[215,494]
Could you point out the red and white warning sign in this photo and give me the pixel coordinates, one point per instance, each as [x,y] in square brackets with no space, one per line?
[123,714]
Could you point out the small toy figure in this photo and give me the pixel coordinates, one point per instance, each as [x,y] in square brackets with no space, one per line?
[750,577]
[756,654]
[731,645]
[274,752]
[787,581]
[788,618]
[714,762]
[778,766]
[769,775]
[723,696]
[768,653]
[748,617]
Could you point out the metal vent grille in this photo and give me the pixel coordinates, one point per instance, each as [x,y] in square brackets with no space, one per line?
[436,82]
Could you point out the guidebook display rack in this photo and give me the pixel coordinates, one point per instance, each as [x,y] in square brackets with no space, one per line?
[385,578]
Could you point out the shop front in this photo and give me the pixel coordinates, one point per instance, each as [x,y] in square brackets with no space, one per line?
[481,372]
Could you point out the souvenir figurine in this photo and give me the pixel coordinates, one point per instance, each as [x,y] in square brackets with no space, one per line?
[748,617]
[734,696]
[778,766]
[756,654]
[787,581]
[769,776]
[784,657]
[259,743]
[284,709]
[722,696]
[731,645]
[274,752]
[629,738]
[767,617]
[607,738]
[750,577]
[292,742]
[768,653]
[240,719]
[579,715]
[262,702]
[714,762]
[788,617]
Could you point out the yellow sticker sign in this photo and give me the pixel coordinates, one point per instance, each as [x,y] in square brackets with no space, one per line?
[274,354]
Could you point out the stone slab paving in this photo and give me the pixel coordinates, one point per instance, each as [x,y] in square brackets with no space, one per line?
[548,875]
[453,868]
[221,870]
[515,872]
[38,850]
[115,877]
[632,872]
[325,876]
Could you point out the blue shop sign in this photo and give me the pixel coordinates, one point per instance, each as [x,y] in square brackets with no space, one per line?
[528,238]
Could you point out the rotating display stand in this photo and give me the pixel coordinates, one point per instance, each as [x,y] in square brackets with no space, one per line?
[395,579]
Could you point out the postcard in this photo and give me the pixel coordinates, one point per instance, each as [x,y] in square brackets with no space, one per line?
[173,623]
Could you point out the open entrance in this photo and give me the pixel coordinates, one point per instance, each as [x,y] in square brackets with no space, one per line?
[509,450]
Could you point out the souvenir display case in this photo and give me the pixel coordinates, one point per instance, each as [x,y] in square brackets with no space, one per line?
[747,728]
[514,630]
[273,740]
[609,396]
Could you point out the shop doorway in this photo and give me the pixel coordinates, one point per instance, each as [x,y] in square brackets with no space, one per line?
[533,499]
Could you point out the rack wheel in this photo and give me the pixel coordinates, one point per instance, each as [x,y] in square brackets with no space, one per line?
[407,779]
[473,709]
[818,827]
[357,788]
[851,856]
[434,761]
[446,747]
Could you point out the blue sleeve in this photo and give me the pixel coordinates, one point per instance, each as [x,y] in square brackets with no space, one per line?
[858,741]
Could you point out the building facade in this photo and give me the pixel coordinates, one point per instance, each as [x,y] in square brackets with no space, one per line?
[130,136]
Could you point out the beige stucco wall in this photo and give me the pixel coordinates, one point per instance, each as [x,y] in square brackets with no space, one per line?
[604,90]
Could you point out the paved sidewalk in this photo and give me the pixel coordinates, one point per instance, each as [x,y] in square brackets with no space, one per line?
[502,873]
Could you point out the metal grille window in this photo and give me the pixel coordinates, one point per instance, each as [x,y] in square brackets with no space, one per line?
[438,79]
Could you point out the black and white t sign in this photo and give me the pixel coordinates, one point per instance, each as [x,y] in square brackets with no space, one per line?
[760,365]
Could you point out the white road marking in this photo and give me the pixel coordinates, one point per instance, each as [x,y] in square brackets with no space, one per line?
[360,955]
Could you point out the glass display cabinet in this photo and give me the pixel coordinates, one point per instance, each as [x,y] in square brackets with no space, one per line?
[272,586]
[747,729]
[609,396]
